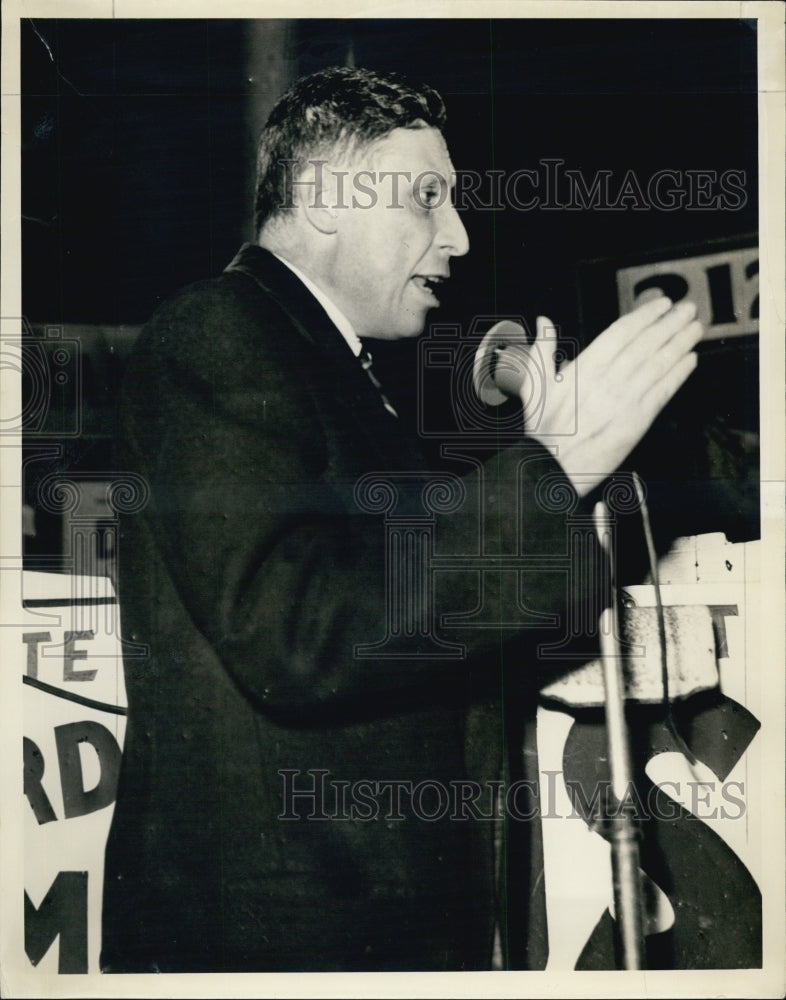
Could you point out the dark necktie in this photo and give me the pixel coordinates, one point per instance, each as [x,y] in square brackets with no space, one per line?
[365,362]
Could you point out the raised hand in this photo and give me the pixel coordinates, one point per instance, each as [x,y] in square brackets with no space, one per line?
[596,409]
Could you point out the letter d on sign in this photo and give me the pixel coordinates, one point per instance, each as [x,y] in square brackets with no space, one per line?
[77,801]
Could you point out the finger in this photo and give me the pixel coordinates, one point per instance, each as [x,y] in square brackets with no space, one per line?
[651,339]
[608,345]
[641,349]
[546,330]
[542,325]
[655,366]
[659,394]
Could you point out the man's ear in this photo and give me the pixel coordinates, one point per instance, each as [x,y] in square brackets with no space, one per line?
[317,195]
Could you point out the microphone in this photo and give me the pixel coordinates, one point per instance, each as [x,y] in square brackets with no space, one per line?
[502,363]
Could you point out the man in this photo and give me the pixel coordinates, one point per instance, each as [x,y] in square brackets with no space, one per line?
[256,577]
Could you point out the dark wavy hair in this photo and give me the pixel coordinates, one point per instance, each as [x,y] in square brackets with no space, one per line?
[338,109]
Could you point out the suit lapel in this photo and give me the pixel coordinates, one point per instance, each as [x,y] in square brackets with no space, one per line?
[346,383]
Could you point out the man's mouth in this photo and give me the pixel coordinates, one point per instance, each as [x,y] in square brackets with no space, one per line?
[429,283]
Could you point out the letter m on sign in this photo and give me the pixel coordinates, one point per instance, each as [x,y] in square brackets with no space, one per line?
[62,912]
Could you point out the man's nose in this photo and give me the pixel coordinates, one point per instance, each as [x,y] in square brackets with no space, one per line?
[452,235]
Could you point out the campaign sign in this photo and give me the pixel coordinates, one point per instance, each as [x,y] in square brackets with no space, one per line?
[74,726]
[696,793]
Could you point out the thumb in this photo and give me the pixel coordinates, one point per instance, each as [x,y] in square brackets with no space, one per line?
[546,330]
[544,326]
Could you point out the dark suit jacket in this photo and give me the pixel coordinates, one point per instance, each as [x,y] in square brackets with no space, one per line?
[250,577]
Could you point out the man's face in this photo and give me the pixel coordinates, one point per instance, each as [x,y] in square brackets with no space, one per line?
[396,232]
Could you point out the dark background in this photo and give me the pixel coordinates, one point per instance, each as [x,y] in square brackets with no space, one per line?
[137,165]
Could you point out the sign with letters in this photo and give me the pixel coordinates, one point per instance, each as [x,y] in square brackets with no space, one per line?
[697,793]
[724,286]
[74,726]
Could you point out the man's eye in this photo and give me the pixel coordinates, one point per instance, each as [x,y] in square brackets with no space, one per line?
[429,197]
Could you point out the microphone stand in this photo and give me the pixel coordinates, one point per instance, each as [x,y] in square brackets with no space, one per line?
[500,362]
[624,835]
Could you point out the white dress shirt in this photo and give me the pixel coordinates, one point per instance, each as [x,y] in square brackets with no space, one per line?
[336,315]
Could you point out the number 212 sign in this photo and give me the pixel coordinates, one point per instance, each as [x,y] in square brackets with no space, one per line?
[724,286]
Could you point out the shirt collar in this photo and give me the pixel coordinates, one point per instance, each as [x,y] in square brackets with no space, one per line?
[338,318]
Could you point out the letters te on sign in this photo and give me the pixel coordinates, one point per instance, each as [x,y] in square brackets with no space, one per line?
[724,286]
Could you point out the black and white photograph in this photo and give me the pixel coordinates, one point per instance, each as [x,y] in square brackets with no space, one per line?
[392,492]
